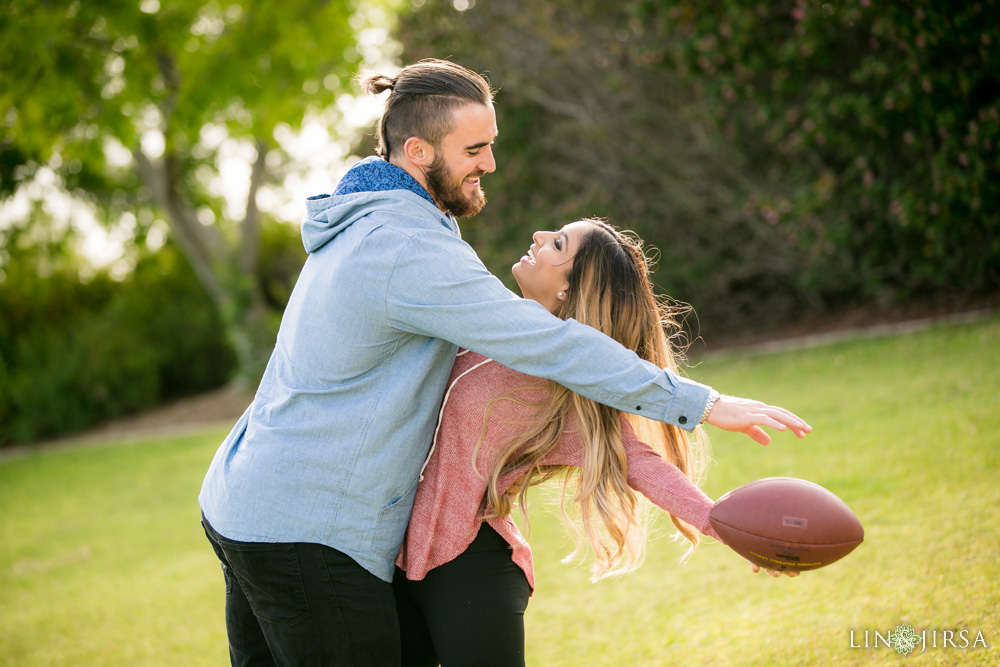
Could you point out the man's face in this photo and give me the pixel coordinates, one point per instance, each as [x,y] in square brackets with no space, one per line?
[462,157]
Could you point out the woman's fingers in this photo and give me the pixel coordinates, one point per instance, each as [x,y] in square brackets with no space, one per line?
[774,573]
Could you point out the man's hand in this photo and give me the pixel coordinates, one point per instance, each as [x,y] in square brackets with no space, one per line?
[743,415]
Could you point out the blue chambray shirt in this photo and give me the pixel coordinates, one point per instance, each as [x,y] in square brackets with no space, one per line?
[331,447]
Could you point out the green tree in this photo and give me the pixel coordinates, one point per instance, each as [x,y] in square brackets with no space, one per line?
[132,104]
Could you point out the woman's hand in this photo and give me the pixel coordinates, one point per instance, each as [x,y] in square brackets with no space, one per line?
[775,573]
[744,415]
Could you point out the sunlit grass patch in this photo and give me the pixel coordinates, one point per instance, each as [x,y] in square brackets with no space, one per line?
[102,559]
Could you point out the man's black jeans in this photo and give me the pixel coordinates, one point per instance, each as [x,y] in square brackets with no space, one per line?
[304,604]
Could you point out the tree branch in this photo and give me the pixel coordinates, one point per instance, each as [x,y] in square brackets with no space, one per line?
[201,245]
[560,107]
[250,240]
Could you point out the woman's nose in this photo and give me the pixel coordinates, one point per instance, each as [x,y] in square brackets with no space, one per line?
[540,237]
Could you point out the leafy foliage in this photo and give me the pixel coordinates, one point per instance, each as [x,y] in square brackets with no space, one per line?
[590,125]
[137,105]
[883,119]
[786,158]
[90,72]
[74,352]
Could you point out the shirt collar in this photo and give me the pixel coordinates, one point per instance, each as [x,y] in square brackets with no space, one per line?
[373,174]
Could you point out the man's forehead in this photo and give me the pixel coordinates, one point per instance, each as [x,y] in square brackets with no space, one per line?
[475,126]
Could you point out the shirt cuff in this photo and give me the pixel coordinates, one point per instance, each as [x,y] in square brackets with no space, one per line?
[688,404]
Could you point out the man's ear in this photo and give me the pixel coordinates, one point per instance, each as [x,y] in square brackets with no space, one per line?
[418,151]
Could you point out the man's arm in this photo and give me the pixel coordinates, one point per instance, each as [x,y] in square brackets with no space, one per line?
[438,287]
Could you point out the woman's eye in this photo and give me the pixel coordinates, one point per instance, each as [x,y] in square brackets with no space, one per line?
[558,244]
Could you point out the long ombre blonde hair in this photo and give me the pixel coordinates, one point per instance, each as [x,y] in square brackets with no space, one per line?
[609,289]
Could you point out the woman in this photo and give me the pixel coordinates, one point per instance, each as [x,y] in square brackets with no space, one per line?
[464,573]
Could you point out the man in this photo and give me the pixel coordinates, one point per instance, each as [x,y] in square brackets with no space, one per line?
[307,500]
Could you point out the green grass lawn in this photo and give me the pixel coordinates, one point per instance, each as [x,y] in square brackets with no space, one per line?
[102,561]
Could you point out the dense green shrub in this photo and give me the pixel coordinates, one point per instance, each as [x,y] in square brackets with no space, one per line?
[882,118]
[77,351]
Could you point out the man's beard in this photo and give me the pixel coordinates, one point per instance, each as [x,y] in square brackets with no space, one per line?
[448,193]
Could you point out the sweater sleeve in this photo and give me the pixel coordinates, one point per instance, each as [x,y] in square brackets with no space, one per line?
[648,473]
[664,483]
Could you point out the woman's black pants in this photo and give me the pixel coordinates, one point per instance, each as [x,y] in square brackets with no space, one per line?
[469,611]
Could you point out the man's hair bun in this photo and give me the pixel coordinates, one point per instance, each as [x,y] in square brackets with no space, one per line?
[377,84]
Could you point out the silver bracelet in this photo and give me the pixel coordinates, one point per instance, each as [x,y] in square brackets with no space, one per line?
[713,396]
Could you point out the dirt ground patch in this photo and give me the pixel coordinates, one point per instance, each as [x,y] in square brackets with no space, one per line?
[219,408]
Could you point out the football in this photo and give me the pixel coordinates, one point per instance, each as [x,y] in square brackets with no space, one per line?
[784,523]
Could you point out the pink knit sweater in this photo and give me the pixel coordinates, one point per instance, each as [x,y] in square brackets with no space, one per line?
[447,510]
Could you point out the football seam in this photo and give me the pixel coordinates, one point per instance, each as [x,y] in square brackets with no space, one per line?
[776,539]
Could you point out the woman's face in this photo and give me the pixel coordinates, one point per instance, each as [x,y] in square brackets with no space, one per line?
[541,274]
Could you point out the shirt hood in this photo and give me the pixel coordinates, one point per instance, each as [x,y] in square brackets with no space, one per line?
[370,185]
